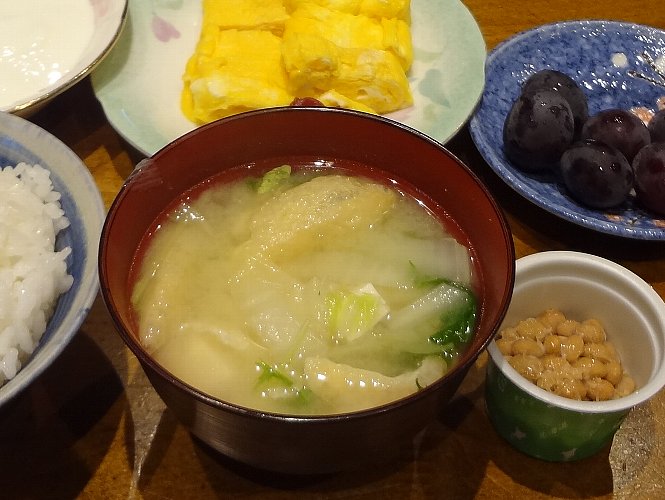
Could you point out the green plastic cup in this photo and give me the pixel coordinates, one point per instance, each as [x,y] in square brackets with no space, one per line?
[551,427]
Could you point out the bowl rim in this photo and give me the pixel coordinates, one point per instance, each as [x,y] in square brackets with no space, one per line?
[638,285]
[457,370]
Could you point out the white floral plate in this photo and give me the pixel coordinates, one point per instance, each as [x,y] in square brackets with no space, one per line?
[139,83]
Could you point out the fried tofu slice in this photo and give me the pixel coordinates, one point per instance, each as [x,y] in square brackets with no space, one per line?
[321,209]
[233,71]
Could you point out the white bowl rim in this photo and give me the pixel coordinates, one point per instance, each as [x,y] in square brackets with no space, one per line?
[654,301]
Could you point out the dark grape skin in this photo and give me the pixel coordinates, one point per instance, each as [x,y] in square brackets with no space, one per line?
[549,79]
[657,126]
[649,168]
[306,102]
[618,128]
[596,174]
[537,130]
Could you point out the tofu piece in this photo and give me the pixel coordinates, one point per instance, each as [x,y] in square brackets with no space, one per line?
[269,15]
[233,71]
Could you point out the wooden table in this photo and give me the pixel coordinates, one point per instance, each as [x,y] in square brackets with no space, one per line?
[92,427]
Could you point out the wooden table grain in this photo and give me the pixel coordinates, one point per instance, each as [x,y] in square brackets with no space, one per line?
[92,427]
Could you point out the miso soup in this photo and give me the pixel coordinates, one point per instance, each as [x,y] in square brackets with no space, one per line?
[303,291]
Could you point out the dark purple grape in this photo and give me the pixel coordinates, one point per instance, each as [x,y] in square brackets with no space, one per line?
[537,130]
[596,175]
[649,167]
[618,128]
[306,101]
[549,79]
[657,126]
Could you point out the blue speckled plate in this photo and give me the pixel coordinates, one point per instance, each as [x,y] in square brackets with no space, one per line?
[139,83]
[600,56]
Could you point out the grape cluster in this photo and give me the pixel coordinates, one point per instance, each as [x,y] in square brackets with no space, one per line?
[601,158]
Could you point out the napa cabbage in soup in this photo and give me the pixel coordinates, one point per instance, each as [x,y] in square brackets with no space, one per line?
[304,292]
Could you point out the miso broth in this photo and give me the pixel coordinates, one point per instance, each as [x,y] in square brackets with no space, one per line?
[303,292]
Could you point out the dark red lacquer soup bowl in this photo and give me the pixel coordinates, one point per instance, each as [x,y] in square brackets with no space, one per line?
[328,138]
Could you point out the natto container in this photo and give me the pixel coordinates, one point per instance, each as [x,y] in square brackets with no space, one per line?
[582,286]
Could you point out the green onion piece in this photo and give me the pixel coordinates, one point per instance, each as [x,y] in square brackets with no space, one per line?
[272,375]
[274,178]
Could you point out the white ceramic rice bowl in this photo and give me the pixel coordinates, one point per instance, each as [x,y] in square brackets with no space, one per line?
[21,140]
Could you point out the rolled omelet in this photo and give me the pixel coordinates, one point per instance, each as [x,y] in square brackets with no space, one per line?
[234,71]
[263,53]
[268,15]
[353,31]
[398,9]
[362,60]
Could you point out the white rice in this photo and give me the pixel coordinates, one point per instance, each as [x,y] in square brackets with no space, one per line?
[32,273]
